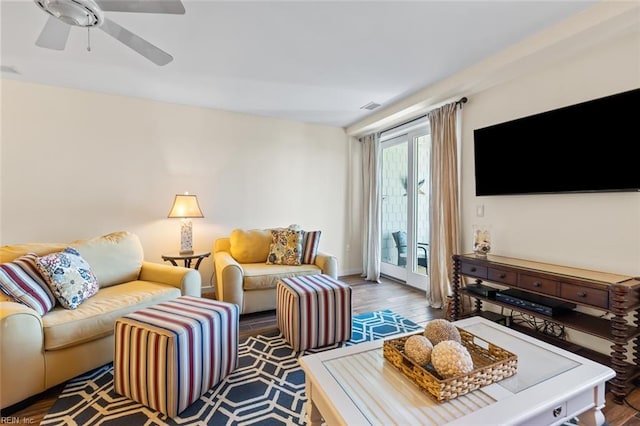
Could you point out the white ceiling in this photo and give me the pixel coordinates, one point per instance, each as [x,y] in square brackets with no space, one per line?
[311,61]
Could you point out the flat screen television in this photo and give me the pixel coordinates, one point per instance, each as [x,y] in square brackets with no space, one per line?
[592,146]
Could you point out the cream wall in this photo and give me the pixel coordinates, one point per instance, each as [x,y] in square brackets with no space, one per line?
[76,164]
[598,231]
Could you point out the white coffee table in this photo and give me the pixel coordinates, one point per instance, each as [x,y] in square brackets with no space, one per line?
[356,386]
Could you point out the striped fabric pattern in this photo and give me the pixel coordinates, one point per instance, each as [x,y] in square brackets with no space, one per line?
[21,280]
[168,355]
[310,241]
[313,311]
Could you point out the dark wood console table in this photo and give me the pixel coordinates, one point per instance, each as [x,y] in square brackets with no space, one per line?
[618,295]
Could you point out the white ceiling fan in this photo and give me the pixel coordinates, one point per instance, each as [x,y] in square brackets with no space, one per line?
[90,13]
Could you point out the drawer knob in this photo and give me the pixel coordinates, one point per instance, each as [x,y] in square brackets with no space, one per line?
[503,276]
[473,269]
[582,294]
[537,284]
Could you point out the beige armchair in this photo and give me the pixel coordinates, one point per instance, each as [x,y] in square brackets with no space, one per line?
[243,277]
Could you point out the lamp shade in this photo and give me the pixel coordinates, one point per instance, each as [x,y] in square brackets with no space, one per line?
[185,206]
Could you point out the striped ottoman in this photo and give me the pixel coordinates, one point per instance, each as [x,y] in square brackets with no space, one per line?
[313,311]
[170,354]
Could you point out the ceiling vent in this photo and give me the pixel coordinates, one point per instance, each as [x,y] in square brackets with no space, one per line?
[370,106]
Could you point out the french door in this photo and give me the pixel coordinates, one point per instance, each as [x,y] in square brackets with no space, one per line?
[405,159]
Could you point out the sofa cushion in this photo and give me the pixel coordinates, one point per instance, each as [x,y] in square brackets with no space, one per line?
[260,276]
[69,277]
[114,258]
[285,248]
[10,252]
[96,317]
[250,246]
[21,281]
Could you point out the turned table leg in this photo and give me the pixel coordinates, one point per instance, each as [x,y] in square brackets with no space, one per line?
[620,332]
[456,309]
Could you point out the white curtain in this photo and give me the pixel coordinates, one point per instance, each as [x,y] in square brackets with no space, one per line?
[371,250]
[444,208]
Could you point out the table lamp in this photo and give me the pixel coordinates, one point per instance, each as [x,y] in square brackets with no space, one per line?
[185,207]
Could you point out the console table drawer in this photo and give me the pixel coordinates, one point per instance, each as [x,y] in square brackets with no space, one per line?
[500,276]
[472,270]
[538,284]
[585,295]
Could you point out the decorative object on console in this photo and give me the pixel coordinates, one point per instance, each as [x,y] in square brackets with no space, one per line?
[481,240]
[185,207]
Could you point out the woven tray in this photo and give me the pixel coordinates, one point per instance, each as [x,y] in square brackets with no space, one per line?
[491,364]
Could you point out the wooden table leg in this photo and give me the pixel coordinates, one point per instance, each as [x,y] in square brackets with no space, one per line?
[314,418]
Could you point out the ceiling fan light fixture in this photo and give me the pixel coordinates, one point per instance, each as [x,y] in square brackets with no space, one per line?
[81,13]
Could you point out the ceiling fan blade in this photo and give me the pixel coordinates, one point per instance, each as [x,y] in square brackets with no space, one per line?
[142,6]
[54,35]
[143,47]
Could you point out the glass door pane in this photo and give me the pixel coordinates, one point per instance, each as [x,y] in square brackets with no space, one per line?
[405,207]
[394,207]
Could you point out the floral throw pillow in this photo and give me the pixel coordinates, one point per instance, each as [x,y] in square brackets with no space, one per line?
[286,247]
[21,280]
[69,276]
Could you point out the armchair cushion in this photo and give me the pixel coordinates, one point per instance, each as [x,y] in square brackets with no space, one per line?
[310,242]
[261,276]
[285,248]
[250,246]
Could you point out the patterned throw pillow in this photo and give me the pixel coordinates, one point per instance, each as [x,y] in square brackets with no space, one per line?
[310,241]
[69,276]
[21,280]
[286,247]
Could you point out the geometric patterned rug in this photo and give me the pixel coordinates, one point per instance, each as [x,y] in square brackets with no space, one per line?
[267,388]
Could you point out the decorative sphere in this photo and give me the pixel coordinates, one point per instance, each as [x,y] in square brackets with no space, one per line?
[450,358]
[439,330]
[418,349]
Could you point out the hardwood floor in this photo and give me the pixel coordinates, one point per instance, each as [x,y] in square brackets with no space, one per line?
[366,297]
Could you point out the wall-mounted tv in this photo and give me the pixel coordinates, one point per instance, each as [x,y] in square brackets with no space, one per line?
[592,146]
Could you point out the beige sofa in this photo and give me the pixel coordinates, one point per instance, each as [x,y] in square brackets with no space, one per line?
[38,352]
[243,277]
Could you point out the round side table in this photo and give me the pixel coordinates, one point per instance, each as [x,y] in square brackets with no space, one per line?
[187,258]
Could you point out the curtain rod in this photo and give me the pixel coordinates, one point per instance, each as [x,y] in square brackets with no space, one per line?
[459,102]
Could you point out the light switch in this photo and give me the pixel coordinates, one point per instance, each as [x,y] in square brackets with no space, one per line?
[480,210]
